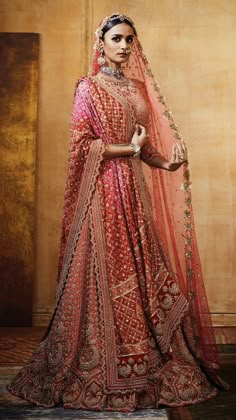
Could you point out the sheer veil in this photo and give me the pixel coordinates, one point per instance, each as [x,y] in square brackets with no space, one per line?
[173,212]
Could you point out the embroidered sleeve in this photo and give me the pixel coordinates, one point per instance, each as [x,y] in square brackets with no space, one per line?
[148,153]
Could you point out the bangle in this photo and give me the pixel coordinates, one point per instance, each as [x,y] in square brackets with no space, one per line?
[136,148]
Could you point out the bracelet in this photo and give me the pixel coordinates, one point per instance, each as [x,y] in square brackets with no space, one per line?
[136,148]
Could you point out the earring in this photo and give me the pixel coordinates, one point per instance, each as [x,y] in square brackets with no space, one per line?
[101,58]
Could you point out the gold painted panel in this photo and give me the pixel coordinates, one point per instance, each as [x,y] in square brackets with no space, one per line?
[19,69]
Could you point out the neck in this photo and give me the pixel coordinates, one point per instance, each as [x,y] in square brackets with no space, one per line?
[112,65]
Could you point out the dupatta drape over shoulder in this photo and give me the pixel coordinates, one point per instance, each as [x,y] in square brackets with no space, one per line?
[86,150]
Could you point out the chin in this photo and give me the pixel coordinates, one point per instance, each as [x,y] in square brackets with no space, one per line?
[122,60]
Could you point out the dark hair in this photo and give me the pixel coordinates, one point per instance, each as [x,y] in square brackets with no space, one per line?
[113,21]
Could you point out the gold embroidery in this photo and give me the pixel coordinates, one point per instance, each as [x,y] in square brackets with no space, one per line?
[124,370]
[88,357]
[140,368]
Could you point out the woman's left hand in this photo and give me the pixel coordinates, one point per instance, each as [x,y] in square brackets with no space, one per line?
[179,156]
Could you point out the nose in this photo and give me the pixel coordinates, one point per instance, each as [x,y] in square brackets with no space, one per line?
[124,44]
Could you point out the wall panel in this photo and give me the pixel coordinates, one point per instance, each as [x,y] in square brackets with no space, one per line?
[19,73]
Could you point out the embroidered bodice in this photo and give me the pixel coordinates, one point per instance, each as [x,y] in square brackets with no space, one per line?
[137,99]
[133,92]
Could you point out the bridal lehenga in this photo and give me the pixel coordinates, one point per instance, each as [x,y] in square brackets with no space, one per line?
[131,327]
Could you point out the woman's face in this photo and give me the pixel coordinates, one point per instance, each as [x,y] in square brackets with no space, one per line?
[117,44]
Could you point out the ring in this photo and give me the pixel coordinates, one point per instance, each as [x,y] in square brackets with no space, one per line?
[147,136]
[181,157]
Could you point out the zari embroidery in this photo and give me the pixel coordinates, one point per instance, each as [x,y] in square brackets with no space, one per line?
[122,336]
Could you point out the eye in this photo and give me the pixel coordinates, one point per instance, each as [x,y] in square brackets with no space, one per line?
[116,38]
[130,40]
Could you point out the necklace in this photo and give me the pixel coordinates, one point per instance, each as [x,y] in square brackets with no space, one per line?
[116,79]
[117,73]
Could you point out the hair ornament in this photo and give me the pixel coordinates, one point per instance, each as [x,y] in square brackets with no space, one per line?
[107,19]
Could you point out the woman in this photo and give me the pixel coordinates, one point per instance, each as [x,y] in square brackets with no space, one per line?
[131,327]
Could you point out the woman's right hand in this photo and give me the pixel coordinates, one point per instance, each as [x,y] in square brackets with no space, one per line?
[140,136]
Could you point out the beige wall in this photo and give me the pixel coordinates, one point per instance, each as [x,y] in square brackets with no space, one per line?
[190,46]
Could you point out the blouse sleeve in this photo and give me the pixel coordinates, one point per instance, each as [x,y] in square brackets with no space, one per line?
[148,154]
[148,151]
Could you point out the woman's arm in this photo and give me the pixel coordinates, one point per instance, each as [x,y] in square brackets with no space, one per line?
[116,150]
[121,150]
[154,159]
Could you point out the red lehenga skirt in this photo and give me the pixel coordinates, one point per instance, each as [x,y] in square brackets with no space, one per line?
[118,338]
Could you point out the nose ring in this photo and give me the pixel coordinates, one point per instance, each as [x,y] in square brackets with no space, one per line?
[128,50]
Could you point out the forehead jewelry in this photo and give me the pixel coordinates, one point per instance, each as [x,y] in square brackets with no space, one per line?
[107,19]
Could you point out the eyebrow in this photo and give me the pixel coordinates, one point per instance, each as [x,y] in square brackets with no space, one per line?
[123,35]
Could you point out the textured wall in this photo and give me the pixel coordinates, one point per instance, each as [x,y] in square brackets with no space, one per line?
[19,74]
[190,45]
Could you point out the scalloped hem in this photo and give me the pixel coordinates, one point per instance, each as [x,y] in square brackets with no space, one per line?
[133,403]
